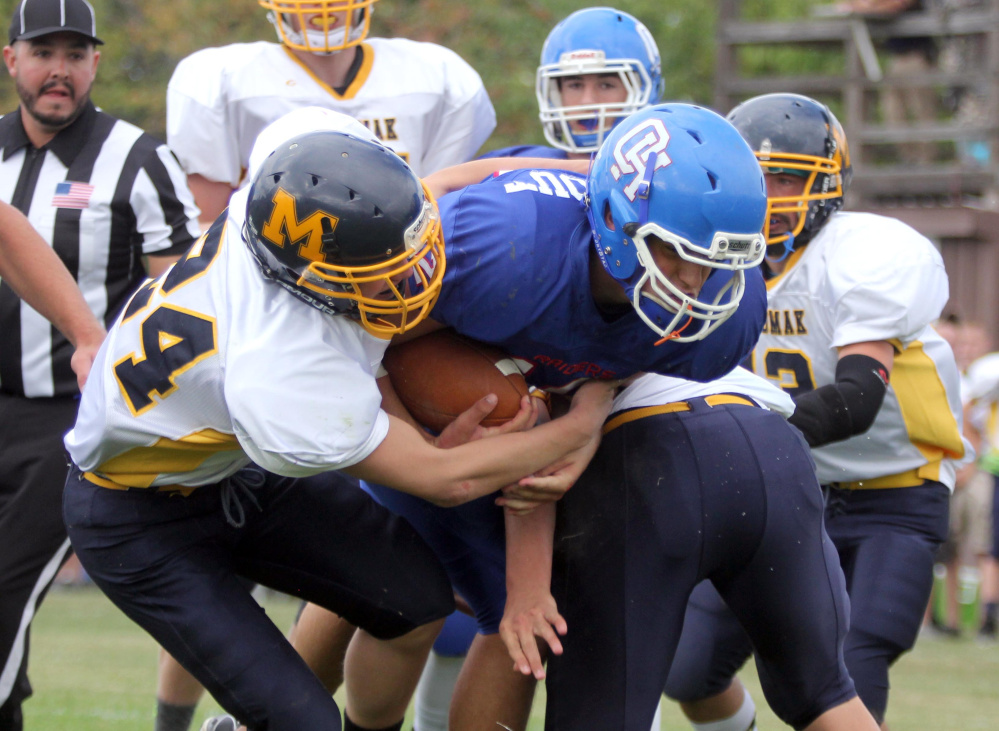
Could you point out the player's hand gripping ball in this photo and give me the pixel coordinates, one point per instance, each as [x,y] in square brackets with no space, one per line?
[440,375]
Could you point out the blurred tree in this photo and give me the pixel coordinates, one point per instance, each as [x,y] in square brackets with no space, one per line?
[501,39]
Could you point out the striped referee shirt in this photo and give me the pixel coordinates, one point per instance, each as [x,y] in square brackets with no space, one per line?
[103,193]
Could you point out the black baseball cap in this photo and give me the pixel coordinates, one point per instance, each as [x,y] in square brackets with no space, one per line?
[35,18]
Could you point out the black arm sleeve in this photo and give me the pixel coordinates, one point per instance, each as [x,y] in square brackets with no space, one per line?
[847,407]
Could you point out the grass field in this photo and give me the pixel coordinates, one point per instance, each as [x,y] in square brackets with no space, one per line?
[93,670]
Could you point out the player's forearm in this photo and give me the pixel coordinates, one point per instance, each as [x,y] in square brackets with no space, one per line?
[529,545]
[468,173]
[211,197]
[393,406]
[36,273]
[405,461]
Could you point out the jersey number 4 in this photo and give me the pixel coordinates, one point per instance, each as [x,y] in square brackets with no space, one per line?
[174,339]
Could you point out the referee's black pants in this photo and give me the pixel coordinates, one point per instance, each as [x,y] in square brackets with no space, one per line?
[33,542]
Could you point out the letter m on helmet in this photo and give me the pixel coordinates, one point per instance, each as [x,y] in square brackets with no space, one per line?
[283,227]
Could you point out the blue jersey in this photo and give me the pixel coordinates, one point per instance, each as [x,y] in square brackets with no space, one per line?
[528,151]
[518,260]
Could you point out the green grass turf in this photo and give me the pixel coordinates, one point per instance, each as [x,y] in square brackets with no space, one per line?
[93,670]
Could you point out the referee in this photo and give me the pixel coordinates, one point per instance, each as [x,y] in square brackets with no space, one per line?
[104,195]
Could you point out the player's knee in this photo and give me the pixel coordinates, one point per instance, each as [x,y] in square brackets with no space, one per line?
[418,639]
[693,682]
[389,621]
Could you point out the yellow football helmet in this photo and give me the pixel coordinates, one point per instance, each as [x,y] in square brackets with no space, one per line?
[320,26]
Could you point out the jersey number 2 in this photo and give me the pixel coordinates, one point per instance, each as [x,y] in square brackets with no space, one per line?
[790,369]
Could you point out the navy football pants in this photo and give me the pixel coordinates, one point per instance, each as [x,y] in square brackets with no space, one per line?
[886,540]
[470,541]
[726,493]
[173,565]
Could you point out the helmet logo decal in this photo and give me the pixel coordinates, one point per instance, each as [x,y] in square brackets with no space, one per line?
[283,227]
[632,151]
[582,56]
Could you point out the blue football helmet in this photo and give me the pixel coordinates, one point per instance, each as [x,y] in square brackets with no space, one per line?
[682,176]
[595,41]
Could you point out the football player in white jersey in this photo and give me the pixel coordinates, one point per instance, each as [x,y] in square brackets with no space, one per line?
[322,647]
[850,300]
[253,351]
[420,99]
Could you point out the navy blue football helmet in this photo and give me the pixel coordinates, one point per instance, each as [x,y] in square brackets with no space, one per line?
[595,41]
[682,176]
[795,134]
[332,218]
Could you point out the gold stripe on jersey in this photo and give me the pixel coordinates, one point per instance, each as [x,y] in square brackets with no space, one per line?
[791,261]
[359,78]
[922,400]
[140,466]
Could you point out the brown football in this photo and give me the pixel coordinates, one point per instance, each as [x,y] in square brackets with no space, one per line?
[439,375]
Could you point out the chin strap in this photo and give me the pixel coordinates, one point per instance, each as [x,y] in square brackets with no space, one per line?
[673,335]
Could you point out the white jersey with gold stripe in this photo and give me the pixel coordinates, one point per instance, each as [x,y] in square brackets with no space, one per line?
[211,366]
[420,99]
[868,278]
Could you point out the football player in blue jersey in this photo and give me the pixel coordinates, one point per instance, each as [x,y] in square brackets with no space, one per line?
[650,263]
[597,66]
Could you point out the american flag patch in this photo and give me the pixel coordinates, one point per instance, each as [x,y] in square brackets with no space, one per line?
[72,195]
